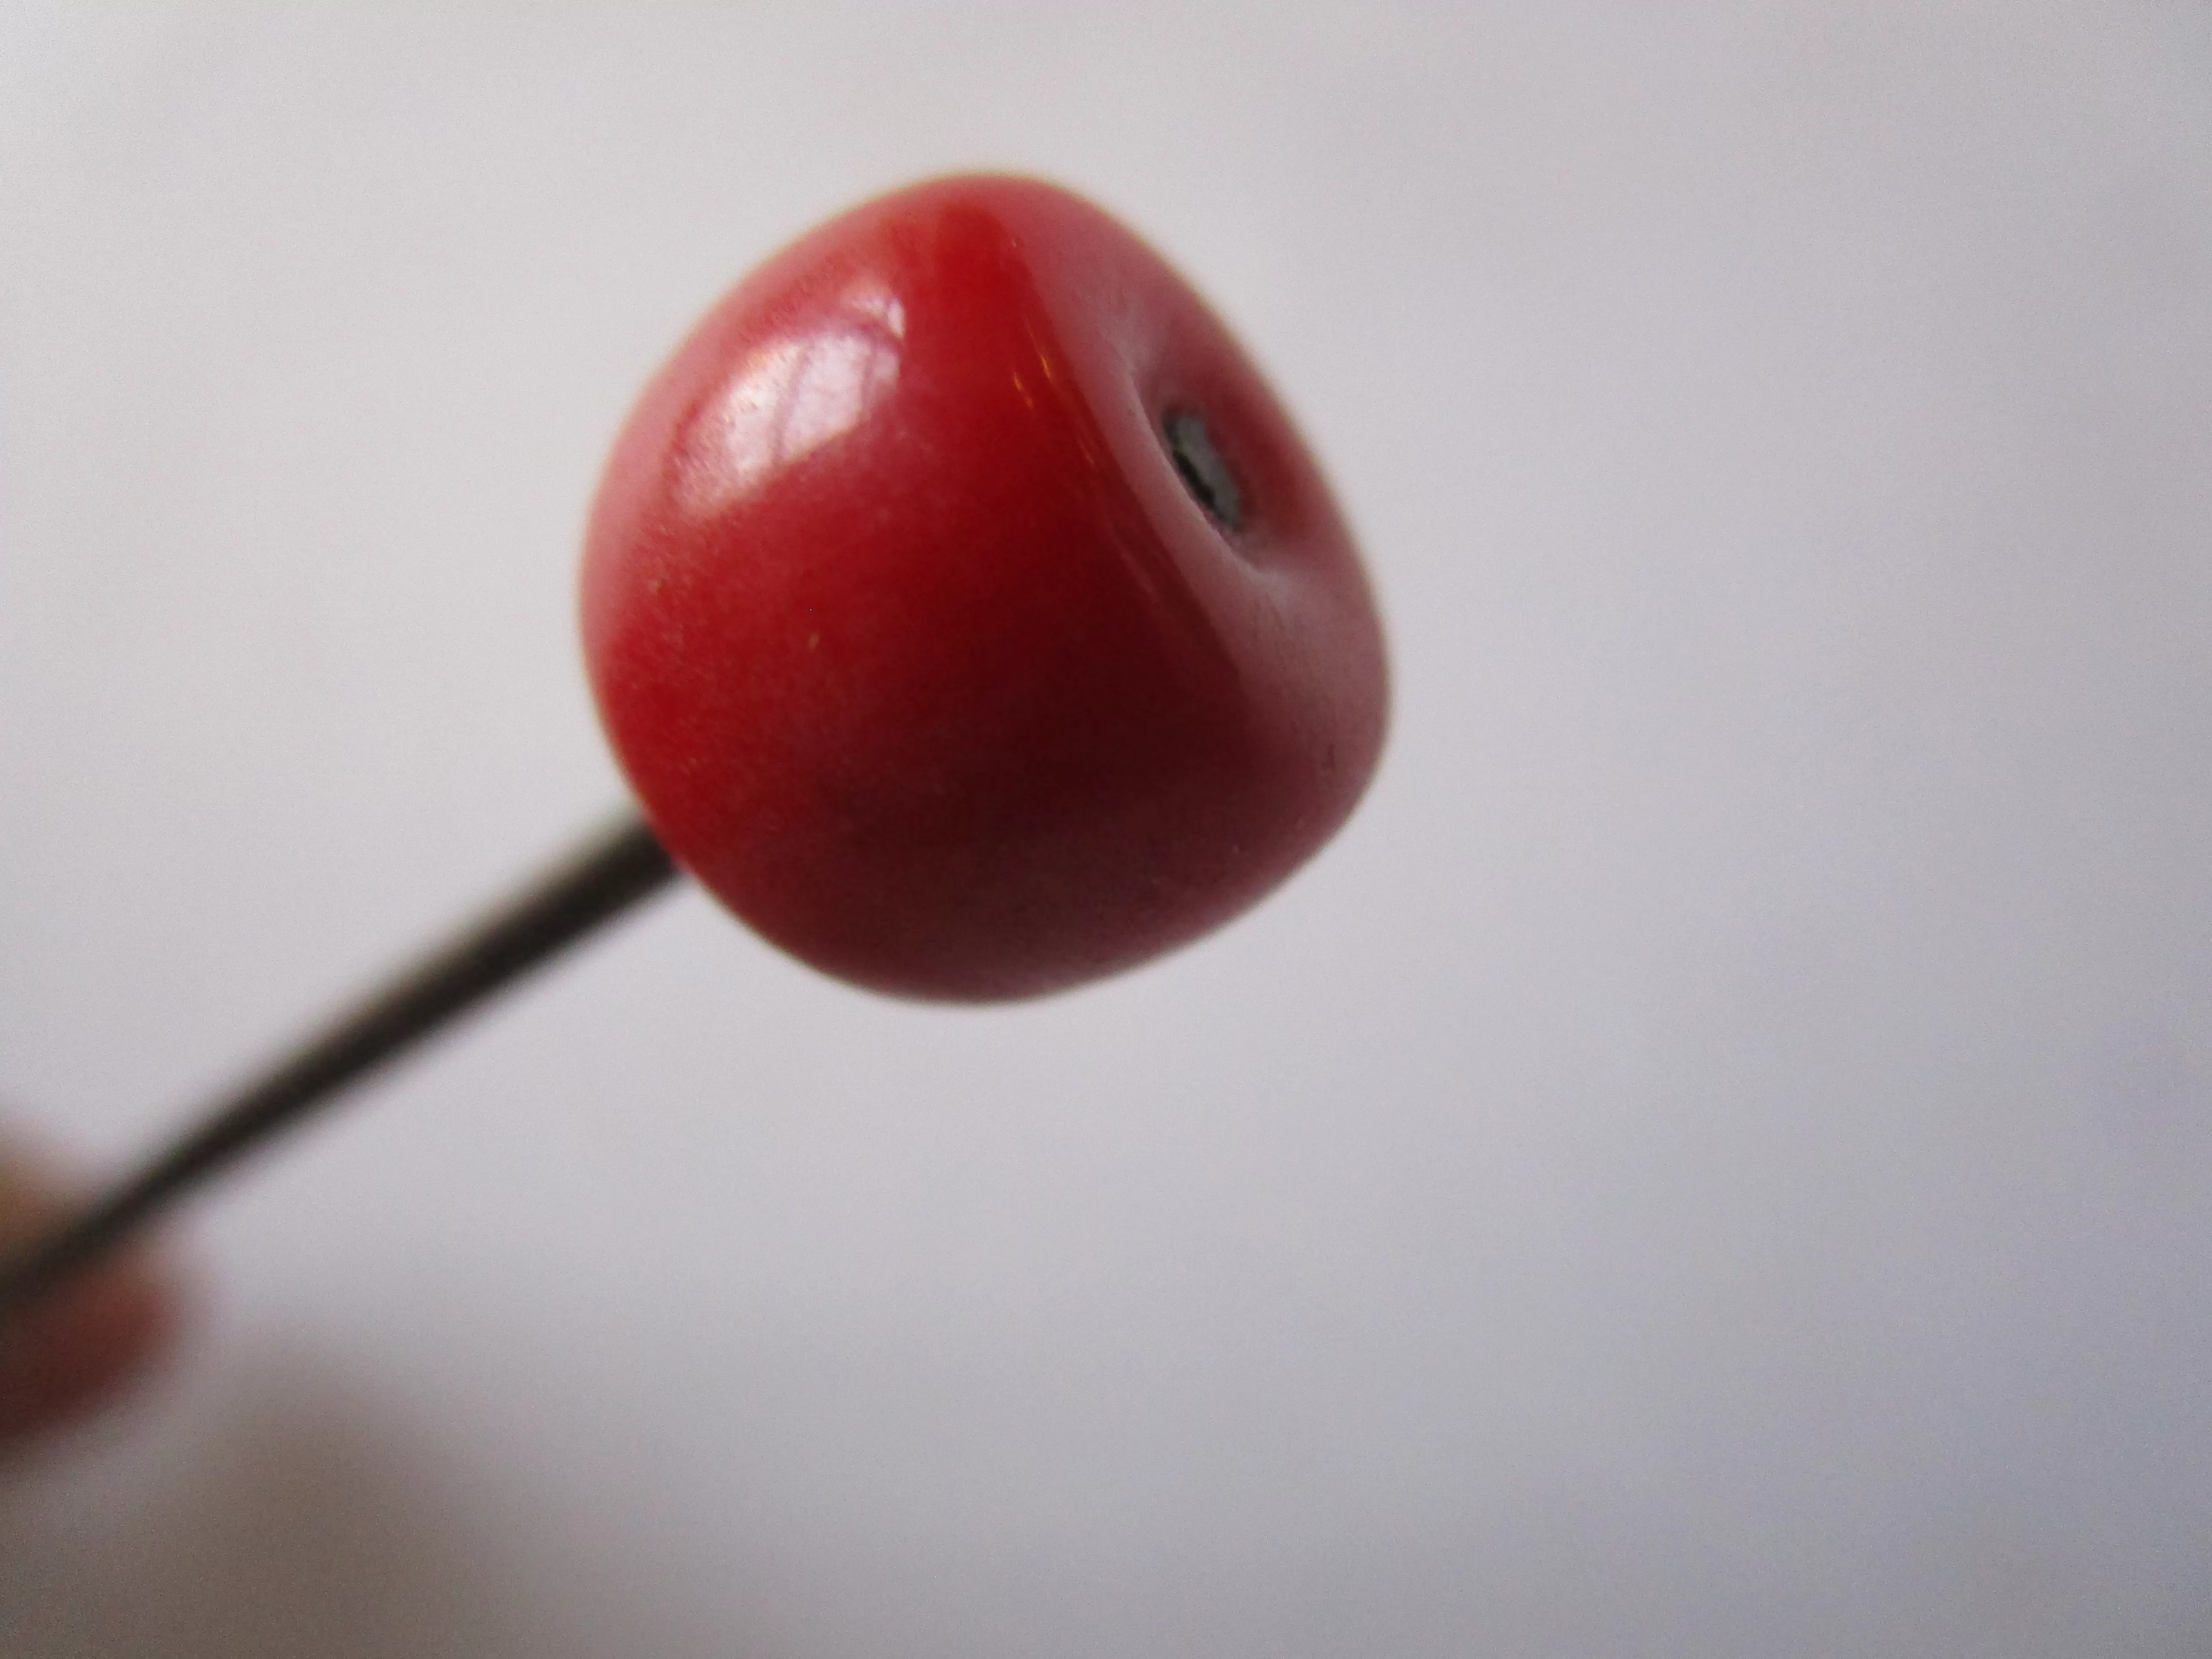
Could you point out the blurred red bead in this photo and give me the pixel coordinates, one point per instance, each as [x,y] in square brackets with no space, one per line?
[964,608]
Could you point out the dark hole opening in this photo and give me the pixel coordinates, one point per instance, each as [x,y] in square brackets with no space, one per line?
[1203,472]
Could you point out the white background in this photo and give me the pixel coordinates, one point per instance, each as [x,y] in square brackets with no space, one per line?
[1716,1161]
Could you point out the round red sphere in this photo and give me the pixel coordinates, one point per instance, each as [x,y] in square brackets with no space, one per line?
[965,610]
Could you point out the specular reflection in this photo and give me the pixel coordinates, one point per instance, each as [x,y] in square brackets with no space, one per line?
[793,394]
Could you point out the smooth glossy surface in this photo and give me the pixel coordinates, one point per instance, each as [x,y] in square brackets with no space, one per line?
[924,647]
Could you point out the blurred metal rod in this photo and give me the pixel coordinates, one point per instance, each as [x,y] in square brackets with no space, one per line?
[614,870]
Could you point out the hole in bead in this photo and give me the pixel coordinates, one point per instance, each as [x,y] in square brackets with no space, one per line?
[1201,468]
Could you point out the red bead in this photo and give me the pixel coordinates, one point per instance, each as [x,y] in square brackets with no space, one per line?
[964,608]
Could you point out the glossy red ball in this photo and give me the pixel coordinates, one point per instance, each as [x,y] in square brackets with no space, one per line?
[966,612]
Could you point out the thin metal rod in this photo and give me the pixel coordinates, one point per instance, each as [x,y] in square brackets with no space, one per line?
[611,872]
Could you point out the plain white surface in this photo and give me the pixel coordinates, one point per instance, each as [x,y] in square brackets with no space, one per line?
[1715,1162]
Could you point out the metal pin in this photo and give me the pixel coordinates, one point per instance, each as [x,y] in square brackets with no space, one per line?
[609,874]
